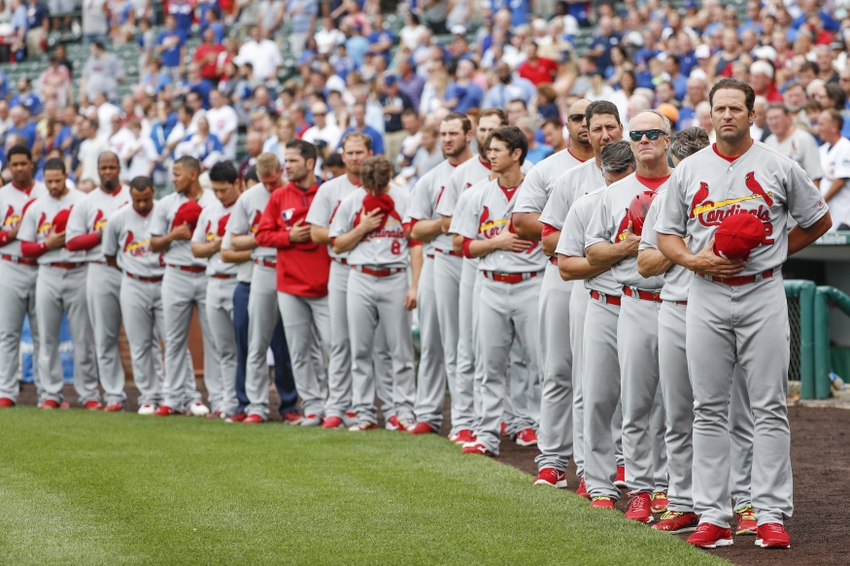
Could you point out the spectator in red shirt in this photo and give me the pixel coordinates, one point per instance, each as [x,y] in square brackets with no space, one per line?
[761,79]
[303,269]
[538,70]
[206,56]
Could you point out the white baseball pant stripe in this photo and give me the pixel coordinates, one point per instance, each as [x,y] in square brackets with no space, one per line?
[17,299]
[431,379]
[303,318]
[221,394]
[375,302]
[463,398]
[181,291]
[578,311]
[506,312]
[556,407]
[141,306]
[61,290]
[103,288]
[748,324]
[447,280]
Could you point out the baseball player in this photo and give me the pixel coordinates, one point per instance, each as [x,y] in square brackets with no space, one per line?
[557,404]
[356,148]
[60,288]
[263,313]
[737,309]
[184,285]
[612,242]
[512,270]
[303,269]
[126,240]
[675,384]
[426,226]
[18,273]
[206,244]
[368,225]
[103,284]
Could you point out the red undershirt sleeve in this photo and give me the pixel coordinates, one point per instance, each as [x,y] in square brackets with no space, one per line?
[83,243]
[33,250]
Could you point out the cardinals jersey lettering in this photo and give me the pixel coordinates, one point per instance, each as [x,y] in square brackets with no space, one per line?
[12,204]
[384,247]
[540,182]
[246,215]
[127,236]
[706,188]
[91,215]
[568,188]
[326,203]
[610,223]
[37,225]
[211,224]
[677,279]
[180,251]
[573,238]
[487,214]
[426,196]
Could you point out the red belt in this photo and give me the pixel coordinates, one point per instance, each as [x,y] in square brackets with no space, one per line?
[266,263]
[377,272]
[222,276]
[596,296]
[340,260]
[509,277]
[683,303]
[189,268]
[98,262]
[20,260]
[66,265]
[738,280]
[553,260]
[429,256]
[642,295]
[144,279]
[450,252]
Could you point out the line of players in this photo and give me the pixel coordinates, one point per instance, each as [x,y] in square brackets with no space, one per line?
[523,282]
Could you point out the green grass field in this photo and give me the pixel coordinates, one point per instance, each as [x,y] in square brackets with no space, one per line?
[96,488]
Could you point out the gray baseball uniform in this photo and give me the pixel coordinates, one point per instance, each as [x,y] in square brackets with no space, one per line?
[222,282]
[127,236]
[377,286]
[103,287]
[17,294]
[60,287]
[184,285]
[743,319]
[507,308]
[556,410]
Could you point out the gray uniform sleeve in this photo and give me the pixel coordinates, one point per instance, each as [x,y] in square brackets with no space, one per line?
[556,209]
[28,229]
[599,229]
[454,188]
[199,236]
[110,235]
[805,203]
[420,202]
[77,220]
[673,211]
[571,242]
[344,219]
[649,237]
[239,223]
[467,225]
[159,222]
[320,209]
[532,195]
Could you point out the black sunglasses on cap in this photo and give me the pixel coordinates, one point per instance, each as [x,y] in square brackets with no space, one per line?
[653,135]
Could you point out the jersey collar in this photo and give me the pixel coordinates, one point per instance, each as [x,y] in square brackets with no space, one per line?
[25,191]
[651,184]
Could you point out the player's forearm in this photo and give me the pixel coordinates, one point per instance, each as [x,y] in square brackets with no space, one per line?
[83,242]
[426,230]
[480,248]
[416,260]
[605,254]
[204,251]
[527,225]
[673,247]
[573,268]
[112,261]
[160,244]
[445,224]
[231,256]
[800,238]
[550,243]
[5,237]
[348,241]
[33,250]
[652,263]
[278,239]
[457,243]
[320,235]
[242,242]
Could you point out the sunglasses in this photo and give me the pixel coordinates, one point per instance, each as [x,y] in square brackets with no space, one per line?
[576,118]
[653,135]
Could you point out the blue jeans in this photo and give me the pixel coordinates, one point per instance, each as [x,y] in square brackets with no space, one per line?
[283,380]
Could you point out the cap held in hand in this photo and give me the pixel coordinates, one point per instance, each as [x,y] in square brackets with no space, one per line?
[738,235]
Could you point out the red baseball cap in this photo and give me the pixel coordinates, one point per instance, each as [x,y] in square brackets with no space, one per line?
[383,202]
[61,220]
[188,213]
[738,235]
[638,209]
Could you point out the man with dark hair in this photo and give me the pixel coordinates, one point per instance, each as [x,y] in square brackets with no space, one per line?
[516,109]
[792,142]
[18,273]
[553,133]
[85,233]
[302,287]
[394,103]
[60,288]
[184,286]
[128,234]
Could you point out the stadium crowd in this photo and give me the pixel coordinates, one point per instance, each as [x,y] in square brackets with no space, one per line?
[314,208]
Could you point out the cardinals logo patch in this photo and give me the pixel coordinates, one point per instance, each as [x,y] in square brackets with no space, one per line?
[43,224]
[99,221]
[256,223]
[711,213]
[489,228]
[11,219]
[134,248]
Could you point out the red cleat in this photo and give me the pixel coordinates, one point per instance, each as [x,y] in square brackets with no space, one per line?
[477,449]
[772,535]
[746,518]
[526,437]
[463,437]
[292,417]
[93,405]
[582,489]
[602,502]
[711,536]
[5,403]
[676,522]
[620,479]
[49,404]
[64,405]
[114,408]
[392,423]
[552,478]
[504,430]
[640,508]
[362,426]
[659,502]
[332,422]
[253,419]
[237,418]
[421,428]
[164,411]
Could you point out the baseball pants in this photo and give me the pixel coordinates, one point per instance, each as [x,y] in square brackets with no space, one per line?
[181,291]
[17,300]
[657,429]
[222,395]
[283,380]
[305,317]
[578,311]
[103,289]
[141,307]
[375,302]
[748,324]
[431,380]
[59,290]
[637,348]
[463,398]
[741,435]
[447,280]
[556,407]
[506,311]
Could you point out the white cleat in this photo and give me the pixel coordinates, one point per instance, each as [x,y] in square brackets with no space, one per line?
[198,409]
[147,409]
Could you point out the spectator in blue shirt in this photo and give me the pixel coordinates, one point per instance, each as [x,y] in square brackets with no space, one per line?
[463,94]
[601,45]
[38,23]
[357,45]
[672,66]
[155,79]
[211,19]
[20,27]
[26,98]
[341,62]
[4,85]
[22,126]
[358,116]
[380,40]
[196,83]
[171,48]
[184,13]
